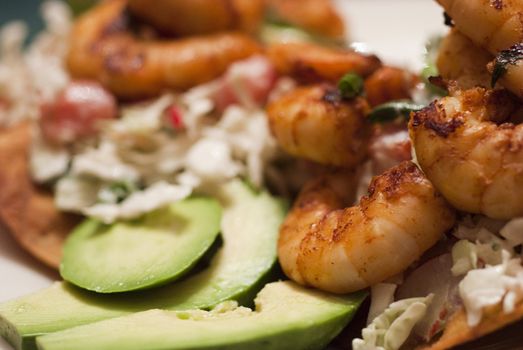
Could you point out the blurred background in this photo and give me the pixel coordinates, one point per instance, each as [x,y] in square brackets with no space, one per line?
[28,10]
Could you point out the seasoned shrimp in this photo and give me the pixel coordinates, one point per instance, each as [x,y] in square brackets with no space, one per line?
[310,63]
[389,83]
[103,48]
[471,153]
[317,16]
[460,60]
[193,17]
[494,26]
[315,123]
[325,244]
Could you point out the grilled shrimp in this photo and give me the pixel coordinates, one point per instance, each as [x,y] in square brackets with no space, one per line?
[471,152]
[460,60]
[194,17]
[389,83]
[326,244]
[494,26]
[103,48]
[312,63]
[316,16]
[315,123]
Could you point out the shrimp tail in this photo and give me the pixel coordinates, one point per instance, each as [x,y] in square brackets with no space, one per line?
[104,48]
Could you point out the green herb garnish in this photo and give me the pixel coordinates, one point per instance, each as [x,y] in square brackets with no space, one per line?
[122,190]
[511,56]
[117,192]
[430,69]
[392,110]
[350,85]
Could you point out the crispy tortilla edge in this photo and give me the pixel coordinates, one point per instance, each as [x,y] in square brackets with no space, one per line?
[27,211]
[458,332]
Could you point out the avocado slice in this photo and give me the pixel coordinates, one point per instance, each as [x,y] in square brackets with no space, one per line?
[287,316]
[250,225]
[155,249]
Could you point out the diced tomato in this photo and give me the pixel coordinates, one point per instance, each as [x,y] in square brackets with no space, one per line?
[175,117]
[77,112]
[443,314]
[246,82]
[224,97]
[436,327]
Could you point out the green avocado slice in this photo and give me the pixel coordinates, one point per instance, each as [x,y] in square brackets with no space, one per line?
[287,316]
[250,225]
[156,249]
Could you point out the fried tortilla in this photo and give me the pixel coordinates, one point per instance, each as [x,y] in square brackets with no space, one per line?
[28,212]
[458,332]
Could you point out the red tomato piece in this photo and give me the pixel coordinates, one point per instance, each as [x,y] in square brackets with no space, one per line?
[248,82]
[77,112]
[175,117]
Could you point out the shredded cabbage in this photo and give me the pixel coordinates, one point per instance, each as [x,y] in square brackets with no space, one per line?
[76,193]
[513,232]
[381,296]
[391,329]
[27,78]
[494,274]
[479,245]
[145,149]
[490,286]
[211,160]
[464,256]
[47,162]
[157,160]
[143,118]
[103,163]
[138,203]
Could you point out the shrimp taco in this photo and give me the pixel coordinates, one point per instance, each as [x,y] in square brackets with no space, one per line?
[52,84]
[405,186]
[121,110]
[457,273]
[26,210]
[468,144]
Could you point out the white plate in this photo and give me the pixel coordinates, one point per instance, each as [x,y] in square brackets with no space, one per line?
[396,30]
